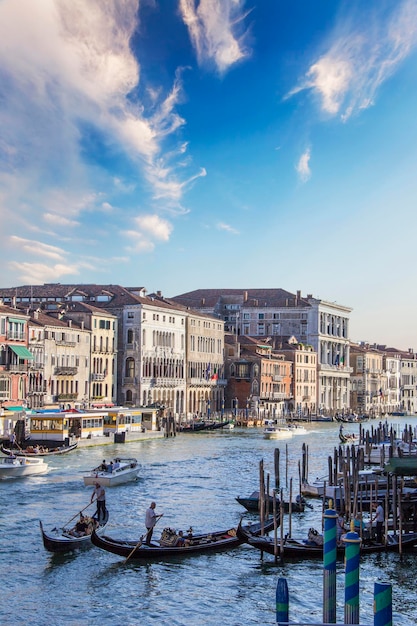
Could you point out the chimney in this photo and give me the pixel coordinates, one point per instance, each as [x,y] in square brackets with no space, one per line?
[298,298]
[159,294]
[69,323]
[245,296]
[82,324]
[203,301]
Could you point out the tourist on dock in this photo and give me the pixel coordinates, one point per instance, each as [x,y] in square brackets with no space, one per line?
[100,494]
[150,520]
[379,518]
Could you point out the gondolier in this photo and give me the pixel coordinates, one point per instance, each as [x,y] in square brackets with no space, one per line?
[100,494]
[150,520]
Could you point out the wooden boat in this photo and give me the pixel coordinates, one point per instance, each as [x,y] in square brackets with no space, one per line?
[311,548]
[402,466]
[116,472]
[251,503]
[349,438]
[13,467]
[192,427]
[166,546]
[214,425]
[66,539]
[39,450]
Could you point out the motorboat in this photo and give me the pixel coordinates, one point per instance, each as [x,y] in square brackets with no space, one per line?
[274,430]
[297,429]
[13,467]
[116,472]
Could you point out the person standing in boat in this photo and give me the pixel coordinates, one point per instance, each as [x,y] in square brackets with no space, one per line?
[100,494]
[150,520]
[379,518]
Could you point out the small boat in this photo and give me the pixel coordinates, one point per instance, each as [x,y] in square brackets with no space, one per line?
[167,546]
[313,546]
[214,425]
[402,466]
[252,504]
[228,426]
[273,430]
[115,472]
[13,467]
[191,427]
[37,450]
[348,438]
[297,429]
[67,539]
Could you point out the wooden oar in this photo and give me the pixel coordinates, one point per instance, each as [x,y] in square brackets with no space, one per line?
[140,541]
[86,507]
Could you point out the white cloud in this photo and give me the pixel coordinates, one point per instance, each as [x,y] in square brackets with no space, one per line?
[38,248]
[59,220]
[360,58]
[150,228]
[227,228]
[215,30]
[303,166]
[38,273]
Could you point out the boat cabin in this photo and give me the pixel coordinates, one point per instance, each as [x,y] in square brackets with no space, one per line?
[122,419]
[64,427]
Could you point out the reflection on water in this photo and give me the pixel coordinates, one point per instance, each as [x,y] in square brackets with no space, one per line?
[194,479]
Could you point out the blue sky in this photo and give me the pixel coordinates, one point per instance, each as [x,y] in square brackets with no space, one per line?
[178,144]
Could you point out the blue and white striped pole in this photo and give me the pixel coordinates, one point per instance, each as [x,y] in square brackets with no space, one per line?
[352,554]
[382,604]
[282,601]
[329,566]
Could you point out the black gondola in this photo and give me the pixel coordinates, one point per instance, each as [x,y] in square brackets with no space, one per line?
[308,548]
[61,540]
[251,504]
[38,450]
[166,547]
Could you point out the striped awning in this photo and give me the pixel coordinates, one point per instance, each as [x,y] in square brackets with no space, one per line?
[22,352]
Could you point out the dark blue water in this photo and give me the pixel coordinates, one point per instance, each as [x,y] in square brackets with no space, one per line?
[194,480]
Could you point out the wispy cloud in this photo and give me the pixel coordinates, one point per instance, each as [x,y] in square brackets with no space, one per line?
[68,73]
[227,228]
[38,248]
[38,273]
[216,30]
[360,58]
[303,166]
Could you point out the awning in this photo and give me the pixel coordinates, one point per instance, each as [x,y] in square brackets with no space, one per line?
[22,352]
[16,320]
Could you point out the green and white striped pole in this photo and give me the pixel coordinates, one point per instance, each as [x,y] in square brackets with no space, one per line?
[352,554]
[329,566]
[282,601]
[382,604]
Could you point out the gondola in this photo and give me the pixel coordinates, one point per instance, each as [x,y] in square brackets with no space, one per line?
[61,539]
[38,450]
[166,546]
[308,548]
[350,438]
[251,504]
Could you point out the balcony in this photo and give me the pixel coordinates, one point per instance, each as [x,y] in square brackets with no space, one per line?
[64,342]
[16,367]
[98,376]
[277,378]
[65,371]
[66,396]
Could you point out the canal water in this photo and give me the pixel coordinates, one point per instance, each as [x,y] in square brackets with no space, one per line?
[194,479]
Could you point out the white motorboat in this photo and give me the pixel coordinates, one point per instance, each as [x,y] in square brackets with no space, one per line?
[297,429]
[116,472]
[274,430]
[12,467]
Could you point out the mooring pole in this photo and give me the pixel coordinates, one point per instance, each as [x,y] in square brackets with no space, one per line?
[329,566]
[382,604]
[281,596]
[352,554]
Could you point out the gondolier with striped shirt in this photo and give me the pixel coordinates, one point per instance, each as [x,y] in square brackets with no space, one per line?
[150,520]
[100,494]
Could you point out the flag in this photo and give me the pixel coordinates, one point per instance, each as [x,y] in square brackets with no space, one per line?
[208,372]
[337,360]
[215,374]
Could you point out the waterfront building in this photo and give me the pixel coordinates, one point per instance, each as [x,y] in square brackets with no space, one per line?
[103,358]
[369,380]
[61,370]
[408,385]
[14,357]
[259,379]
[304,376]
[276,313]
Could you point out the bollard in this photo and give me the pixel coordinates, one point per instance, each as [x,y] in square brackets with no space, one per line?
[329,567]
[352,552]
[282,600]
[382,604]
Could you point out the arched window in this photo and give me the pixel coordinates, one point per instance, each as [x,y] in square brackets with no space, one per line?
[130,368]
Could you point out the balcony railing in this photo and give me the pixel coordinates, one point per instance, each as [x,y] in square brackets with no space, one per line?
[16,367]
[66,396]
[98,376]
[65,371]
[64,342]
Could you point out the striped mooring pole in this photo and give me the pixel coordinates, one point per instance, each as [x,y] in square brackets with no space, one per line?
[352,554]
[329,566]
[282,601]
[382,604]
